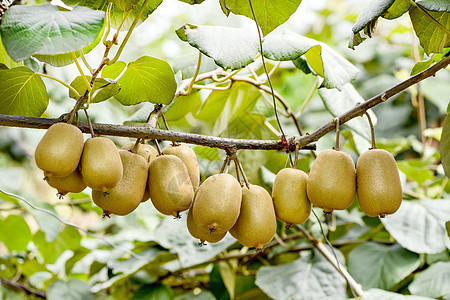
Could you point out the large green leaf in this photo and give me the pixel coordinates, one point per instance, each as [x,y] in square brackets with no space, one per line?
[74,289]
[433,282]
[15,233]
[377,294]
[148,292]
[269,14]
[305,278]
[397,9]
[124,5]
[117,14]
[444,146]
[6,59]
[338,102]
[231,48]
[379,266]
[102,90]
[22,93]
[432,38]
[335,69]
[419,226]
[435,5]
[43,29]
[147,79]
[68,238]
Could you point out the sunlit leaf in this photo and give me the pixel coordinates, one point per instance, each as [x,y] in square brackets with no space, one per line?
[419,226]
[433,282]
[10,228]
[334,68]
[269,14]
[5,59]
[102,90]
[397,9]
[43,29]
[118,14]
[231,48]
[379,266]
[22,93]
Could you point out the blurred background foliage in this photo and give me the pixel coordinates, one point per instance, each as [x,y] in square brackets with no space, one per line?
[404,253]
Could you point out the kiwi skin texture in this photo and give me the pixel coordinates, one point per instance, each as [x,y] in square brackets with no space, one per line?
[170,188]
[72,183]
[290,199]
[101,166]
[379,190]
[127,194]
[217,203]
[332,181]
[201,233]
[59,151]
[257,223]
[188,157]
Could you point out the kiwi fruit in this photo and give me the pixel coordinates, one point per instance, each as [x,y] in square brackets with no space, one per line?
[217,203]
[101,166]
[257,223]
[379,190]
[289,195]
[149,153]
[332,181]
[201,233]
[72,183]
[169,185]
[127,194]
[188,157]
[444,146]
[59,151]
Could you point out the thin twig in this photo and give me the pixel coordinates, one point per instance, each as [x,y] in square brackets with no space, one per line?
[23,287]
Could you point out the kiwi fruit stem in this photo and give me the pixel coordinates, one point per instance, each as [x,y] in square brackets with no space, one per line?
[372,130]
[337,133]
[226,164]
[158,148]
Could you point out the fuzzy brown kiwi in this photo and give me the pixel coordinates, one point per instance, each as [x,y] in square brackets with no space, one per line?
[101,166]
[257,223]
[127,194]
[169,185]
[379,190]
[332,180]
[201,233]
[217,203]
[72,183]
[59,151]
[188,157]
[290,199]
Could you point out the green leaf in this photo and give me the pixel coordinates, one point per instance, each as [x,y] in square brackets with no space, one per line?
[150,292]
[92,4]
[416,170]
[147,79]
[376,294]
[73,289]
[269,14]
[432,38]
[419,226]
[192,1]
[231,48]
[117,14]
[225,8]
[228,277]
[335,69]
[183,106]
[102,90]
[6,59]
[68,238]
[379,266]
[422,65]
[187,64]
[433,282]
[22,93]
[435,5]
[305,278]
[15,233]
[47,223]
[124,5]
[397,9]
[217,285]
[444,146]
[371,12]
[337,102]
[43,29]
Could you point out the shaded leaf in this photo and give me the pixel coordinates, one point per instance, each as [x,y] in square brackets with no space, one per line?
[335,69]
[444,146]
[182,106]
[149,292]
[397,9]
[379,266]
[435,5]
[338,102]
[305,278]
[124,5]
[43,29]
[192,1]
[269,14]
[5,59]
[433,282]
[376,294]
[371,12]
[147,79]
[68,238]
[74,289]
[187,64]
[22,93]
[117,14]
[231,48]
[432,38]
[10,228]
[422,65]
[419,226]
[102,90]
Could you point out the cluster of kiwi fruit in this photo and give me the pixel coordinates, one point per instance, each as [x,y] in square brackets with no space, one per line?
[122,179]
